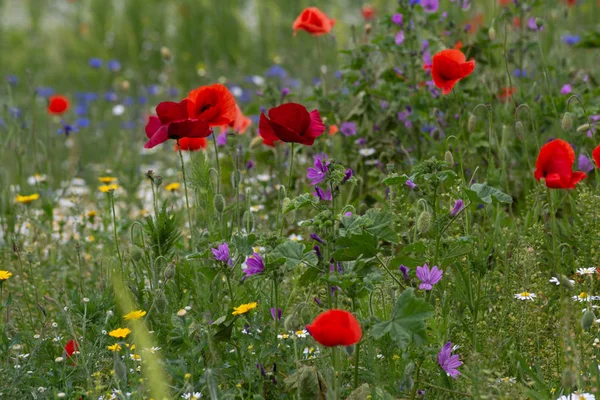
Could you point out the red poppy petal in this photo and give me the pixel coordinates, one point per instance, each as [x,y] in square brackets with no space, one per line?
[287,135]
[152,126]
[577,177]
[442,83]
[160,136]
[316,126]
[335,328]
[467,68]
[192,128]
[596,156]
[293,116]
[169,111]
[265,130]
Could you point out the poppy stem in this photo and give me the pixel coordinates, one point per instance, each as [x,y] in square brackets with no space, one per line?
[218,164]
[187,201]
[291,177]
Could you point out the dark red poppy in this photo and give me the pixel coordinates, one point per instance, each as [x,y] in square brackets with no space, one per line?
[313,21]
[368,12]
[449,66]
[58,104]
[173,122]
[596,156]
[71,347]
[291,122]
[213,103]
[555,165]
[191,144]
[335,328]
[506,93]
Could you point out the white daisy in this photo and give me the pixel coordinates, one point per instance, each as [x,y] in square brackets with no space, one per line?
[508,380]
[525,296]
[586,271]
[578,396]
[367,152]
[583,296]
[295,238]
[119,109]
[257,208]
[556,281]
[191,396]
[302,334]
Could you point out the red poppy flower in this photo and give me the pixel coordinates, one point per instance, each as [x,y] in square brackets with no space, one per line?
[213,103]
[71,347]
[58,104]
[291,122]
[368,12]
[449,66]
[173,122]
[335,328]
[505,2]
[506,93]
[458,45]
[313,21]
[596,156]
[555,165]
[240,124]
[191,144]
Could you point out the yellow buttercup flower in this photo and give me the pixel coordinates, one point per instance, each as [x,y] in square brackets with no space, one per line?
[134,315]
[120,333]
[4,275]
[115,347]
[108,188]
[244,308]
[26,199]
[107,179]
[91,214]
[171,187]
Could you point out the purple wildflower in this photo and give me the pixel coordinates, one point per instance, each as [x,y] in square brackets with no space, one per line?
[448,362]
[397,19]
[317,250]
[323,195]
[222,139]
[284,92]
[262,370]
[348,214]
[254,265]
[399,38]
[317,173]
[566,89]
[95,62]
[113,65]
[410,184]
[278,313]
[67,128]
[585,164]
[430,5]
[404,270]
[221,253]
[347,175]
[316,237]
[319,302]
[403,116]
[348,128]
[458,206]
[429,277]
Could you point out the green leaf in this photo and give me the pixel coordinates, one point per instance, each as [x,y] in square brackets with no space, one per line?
[395,180]
[354,246]
[381,225]
[293,252]
[299,202]
[483,192]
[243,243]
[308,383]
[407,324]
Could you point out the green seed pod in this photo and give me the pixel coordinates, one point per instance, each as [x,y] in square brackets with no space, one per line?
[424,222]
[472,122]
[158,180]
[282,192]
[136,253]
[492,34]
[568,378]
[584,127]
[520,129]
[286,203]
[257,141]
[219,203]
[539,22]
[567,121]
[170,271]
[236,178]
[449,158]
[248,221]
[587,320]
[566,282]
[161,303]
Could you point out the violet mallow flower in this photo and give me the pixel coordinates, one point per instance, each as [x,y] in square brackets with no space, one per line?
[254,265]
[458,206]
[429,277]
[317,173]
[566,89]
[399,38]
[404,270]
[316,237]
[410,184]
[397,19]
[585,164]
[278,313]
[221,253]
[348,128]
[430,5]
[347,175]
[322,194]
[449,362]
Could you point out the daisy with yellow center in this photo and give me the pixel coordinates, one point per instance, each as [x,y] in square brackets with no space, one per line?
[4,275]
[525,296]
[91,214]
[171,187]
[27,199]
[134,315]
[115,347]
[120,333]
[244,308]
[107,179]
[108,188]
[583,296]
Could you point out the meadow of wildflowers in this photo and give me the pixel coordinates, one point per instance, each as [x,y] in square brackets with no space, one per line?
[296,200]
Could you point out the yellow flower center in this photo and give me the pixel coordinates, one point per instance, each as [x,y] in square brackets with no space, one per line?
[583,295]
[525,294]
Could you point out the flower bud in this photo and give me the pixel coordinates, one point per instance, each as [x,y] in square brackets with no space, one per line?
[587,320]
[472,122]
[158,180]
[424,222]
[449,158]
[236,178]
[492,34]
[255,142]
[565,282]
[539,22]
[248,221]
[282,192]
[170,271]
[567,121]
[520,129]
[584,127]
[219,203]
[568,378]
[136,254]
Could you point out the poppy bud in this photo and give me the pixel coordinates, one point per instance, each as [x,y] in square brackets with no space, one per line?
[282,191]
[568,378]
[166,54]
[520,129]
[584,127]
[449,158]
[136,254]
[471,123]
[492,34]
[248,220]
[286,202]
[170,271]
[368,28]
[587,320]
[567,121]
[566,282]
[219,203]
[255,142]
[236,178]
[158,180]
[424,222]
[539,22]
